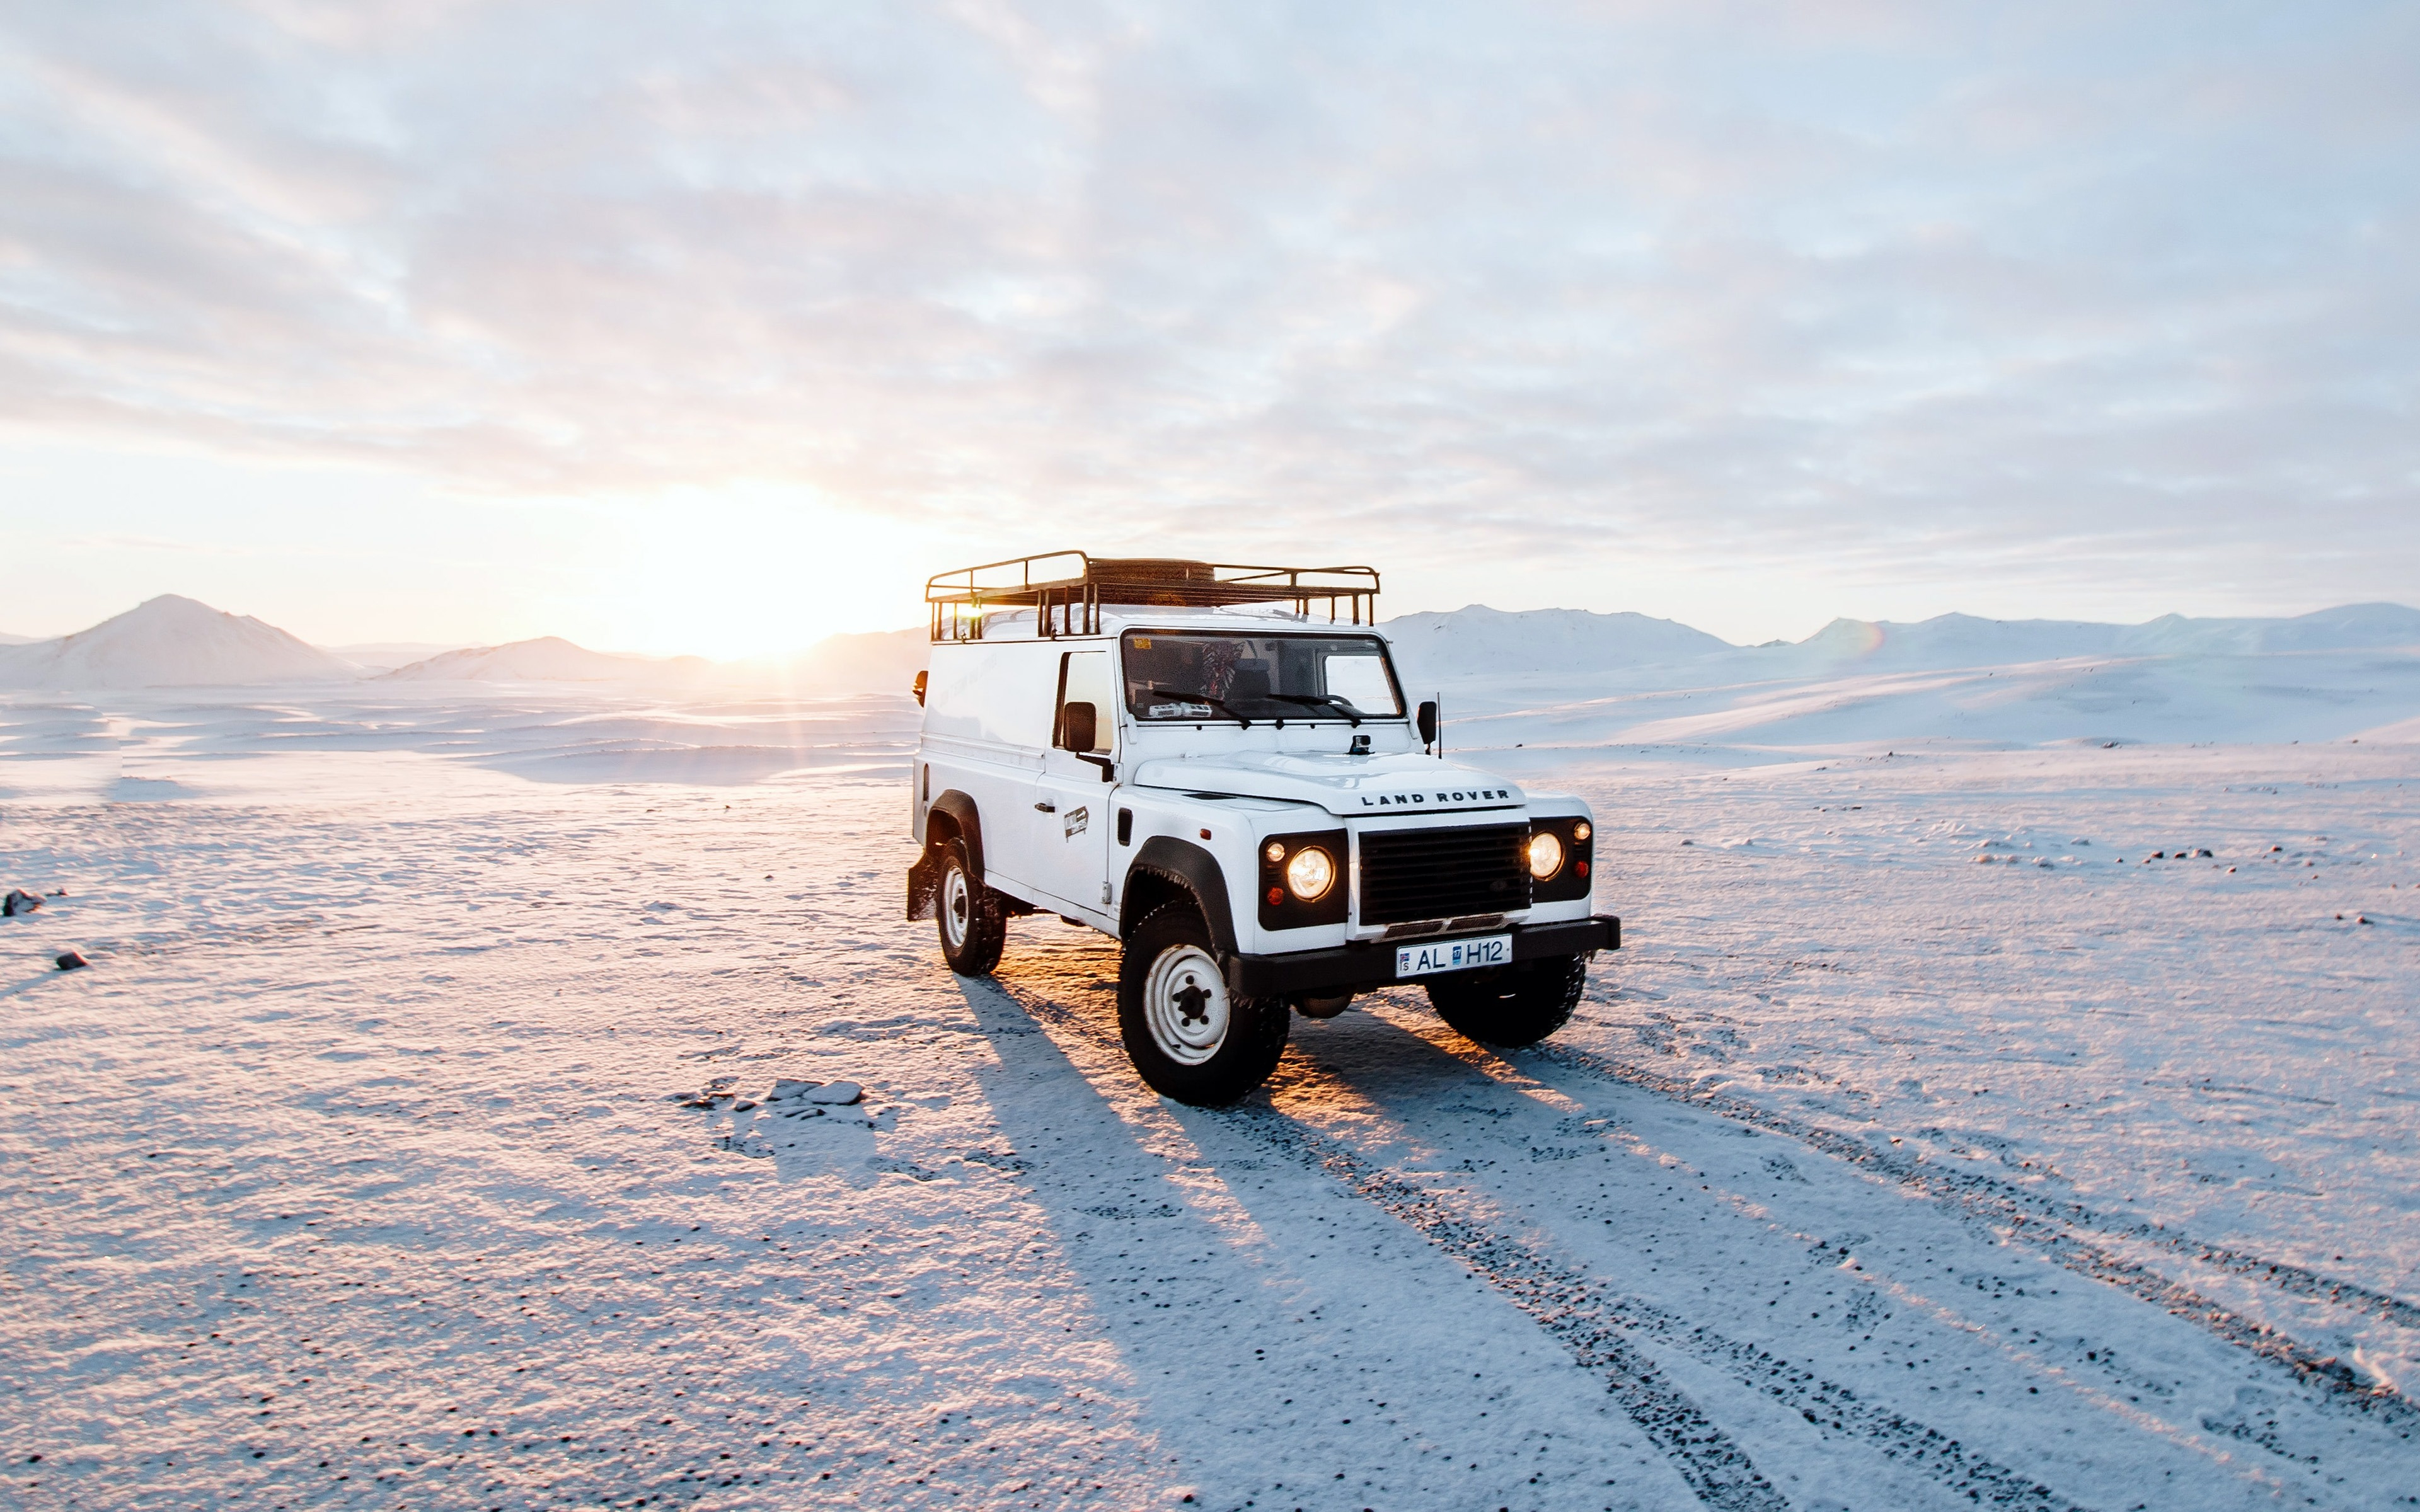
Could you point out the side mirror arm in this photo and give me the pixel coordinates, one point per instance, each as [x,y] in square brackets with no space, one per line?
[1109,768]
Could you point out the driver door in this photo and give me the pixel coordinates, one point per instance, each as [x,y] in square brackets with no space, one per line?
[1071,802]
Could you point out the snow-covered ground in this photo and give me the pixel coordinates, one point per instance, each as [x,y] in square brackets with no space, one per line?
[1927,1145]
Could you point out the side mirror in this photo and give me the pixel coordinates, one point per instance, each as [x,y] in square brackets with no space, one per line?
[919,686]
[1078,724]
[1428,722]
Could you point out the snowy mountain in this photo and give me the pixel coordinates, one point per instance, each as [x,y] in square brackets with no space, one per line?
[2340,673]
[1543,677]
[170,641]
[1530,645]
[549,659]
[1479,640]
[1963,640]
[2347,628]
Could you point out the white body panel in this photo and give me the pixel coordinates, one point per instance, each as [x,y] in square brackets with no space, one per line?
[1060,839]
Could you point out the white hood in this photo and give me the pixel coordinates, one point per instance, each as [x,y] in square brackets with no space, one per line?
[1347,786]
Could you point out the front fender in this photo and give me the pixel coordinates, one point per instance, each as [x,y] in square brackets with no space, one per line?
[1196,872]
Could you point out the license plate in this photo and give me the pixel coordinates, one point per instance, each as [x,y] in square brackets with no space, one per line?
[1452,955]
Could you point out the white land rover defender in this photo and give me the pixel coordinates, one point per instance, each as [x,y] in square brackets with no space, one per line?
[1180,755]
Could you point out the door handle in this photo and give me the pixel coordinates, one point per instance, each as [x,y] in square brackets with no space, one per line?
[1046,808]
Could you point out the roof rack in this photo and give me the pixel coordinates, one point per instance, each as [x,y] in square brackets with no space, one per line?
[1066,590]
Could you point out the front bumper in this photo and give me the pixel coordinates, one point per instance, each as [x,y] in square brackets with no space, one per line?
[1366,964]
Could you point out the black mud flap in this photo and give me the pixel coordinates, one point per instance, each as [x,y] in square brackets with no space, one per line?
[924,881]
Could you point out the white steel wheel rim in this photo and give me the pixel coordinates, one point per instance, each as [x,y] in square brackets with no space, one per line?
[957,905]
[1184,1003]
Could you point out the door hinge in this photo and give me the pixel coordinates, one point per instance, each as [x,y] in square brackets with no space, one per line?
[1104,892]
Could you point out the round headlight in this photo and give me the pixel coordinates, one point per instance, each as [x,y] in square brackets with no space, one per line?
[1581,830]
[1545,855]
[1311,873]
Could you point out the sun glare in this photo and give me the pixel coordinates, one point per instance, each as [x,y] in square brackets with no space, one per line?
[734,574]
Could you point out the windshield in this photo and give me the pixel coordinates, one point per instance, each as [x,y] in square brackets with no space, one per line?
[1203,675]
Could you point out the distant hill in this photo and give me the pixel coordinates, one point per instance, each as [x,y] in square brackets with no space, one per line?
[386,655]
[6,640]
[874,661]
[170,641]
[1563,678]
[549,659]
[2340,672]
[1949,641]
[1477,641]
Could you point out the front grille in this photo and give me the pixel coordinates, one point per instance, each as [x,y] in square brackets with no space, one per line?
[1436,873]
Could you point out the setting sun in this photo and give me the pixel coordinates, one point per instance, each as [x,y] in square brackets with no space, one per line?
[751,571]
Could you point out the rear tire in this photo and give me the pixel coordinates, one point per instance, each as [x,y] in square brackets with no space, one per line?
[1511,1006]
[1189,1037]
[973,919]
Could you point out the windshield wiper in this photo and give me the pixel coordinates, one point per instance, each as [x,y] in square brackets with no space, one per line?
[1201,698]
[1329,700]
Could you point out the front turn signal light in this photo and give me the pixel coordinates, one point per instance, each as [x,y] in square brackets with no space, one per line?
[1545,855]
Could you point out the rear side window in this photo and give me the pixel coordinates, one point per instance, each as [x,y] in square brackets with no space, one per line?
[997,693]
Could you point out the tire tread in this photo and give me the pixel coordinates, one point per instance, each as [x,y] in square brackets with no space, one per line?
[1255,1041]
[986,918]
[1518,1005]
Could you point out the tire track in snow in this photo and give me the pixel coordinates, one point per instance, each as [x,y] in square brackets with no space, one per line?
[2028,1218]
[1595,1324]
[1579,1316]
[1983,1190]
[1705,1457]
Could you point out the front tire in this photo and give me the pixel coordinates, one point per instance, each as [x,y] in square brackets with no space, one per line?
[1186,1034]
[973,919]
[1511,1006]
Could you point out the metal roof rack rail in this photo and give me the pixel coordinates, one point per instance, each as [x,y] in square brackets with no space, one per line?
[1066,590]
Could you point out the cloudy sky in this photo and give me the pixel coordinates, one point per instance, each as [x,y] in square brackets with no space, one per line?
[718,326]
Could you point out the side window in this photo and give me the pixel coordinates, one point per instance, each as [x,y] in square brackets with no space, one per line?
[1084,678]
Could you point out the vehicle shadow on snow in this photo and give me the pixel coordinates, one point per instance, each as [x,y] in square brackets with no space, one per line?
[1166,1283]
[1231,1292]
[1359,1055]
